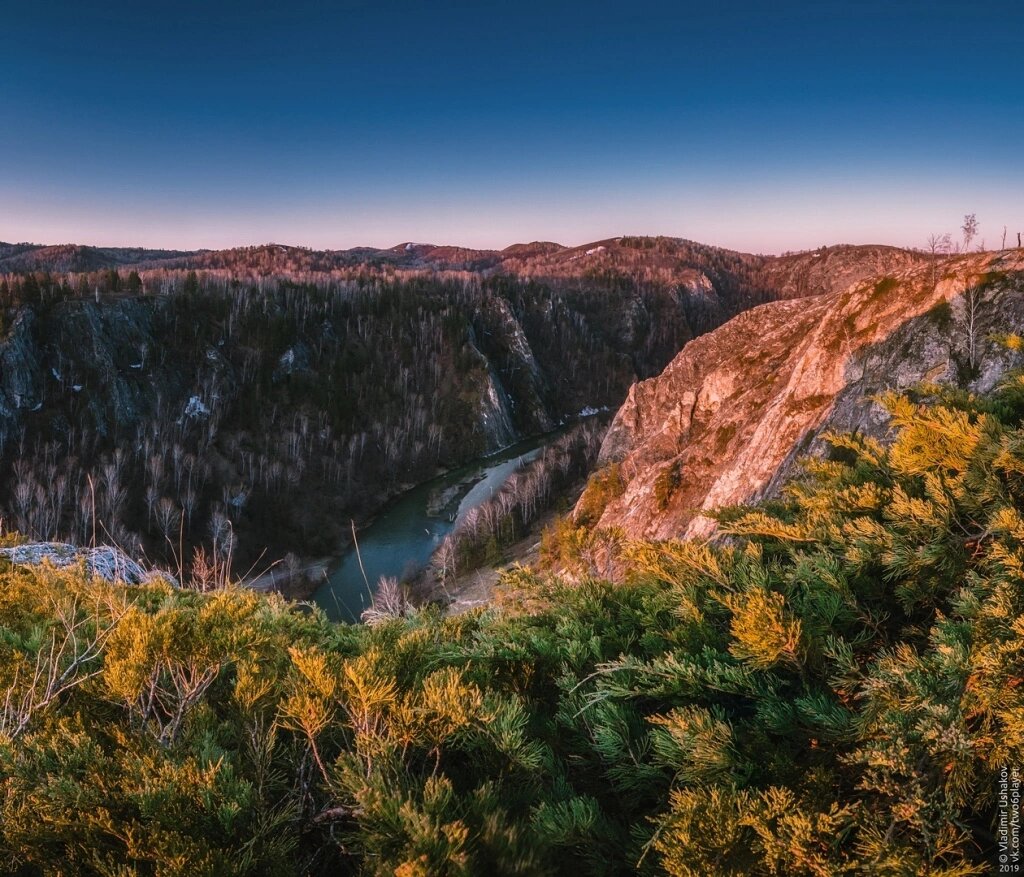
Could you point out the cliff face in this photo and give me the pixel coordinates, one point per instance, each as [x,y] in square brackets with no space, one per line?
[20,372]
[728,418]
[84,365]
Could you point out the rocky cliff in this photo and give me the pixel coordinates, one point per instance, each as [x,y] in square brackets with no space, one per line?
[728,418]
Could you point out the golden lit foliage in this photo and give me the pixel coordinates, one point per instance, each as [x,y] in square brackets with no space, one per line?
[763,632]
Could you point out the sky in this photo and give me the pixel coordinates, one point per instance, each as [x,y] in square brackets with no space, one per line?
[761,126]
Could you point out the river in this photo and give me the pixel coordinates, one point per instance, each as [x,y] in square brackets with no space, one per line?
[401,539]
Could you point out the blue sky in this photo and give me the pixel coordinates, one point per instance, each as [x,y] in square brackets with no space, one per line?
[760,126]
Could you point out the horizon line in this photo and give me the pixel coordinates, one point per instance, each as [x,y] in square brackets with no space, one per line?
[406,243]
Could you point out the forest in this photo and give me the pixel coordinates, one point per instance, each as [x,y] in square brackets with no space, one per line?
[832,689]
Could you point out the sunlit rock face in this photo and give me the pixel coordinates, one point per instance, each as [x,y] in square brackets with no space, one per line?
[732,414]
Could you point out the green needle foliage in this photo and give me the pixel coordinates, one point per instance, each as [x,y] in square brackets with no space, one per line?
[832,690]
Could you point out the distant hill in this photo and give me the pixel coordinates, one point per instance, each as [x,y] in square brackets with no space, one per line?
[661,259]
[76,257]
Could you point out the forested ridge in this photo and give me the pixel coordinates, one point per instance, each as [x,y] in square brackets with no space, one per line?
[831,690]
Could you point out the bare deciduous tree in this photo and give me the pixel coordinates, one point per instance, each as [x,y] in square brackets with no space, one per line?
[970,323]
[969,229]
[938,244]
[167,516]
[389,602]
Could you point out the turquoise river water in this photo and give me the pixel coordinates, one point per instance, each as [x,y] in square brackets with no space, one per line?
[400,541]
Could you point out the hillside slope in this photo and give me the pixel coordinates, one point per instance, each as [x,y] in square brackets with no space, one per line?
[726,420]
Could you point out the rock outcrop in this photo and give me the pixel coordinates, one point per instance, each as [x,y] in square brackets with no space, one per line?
[834,269]
[105,562]
[727,420]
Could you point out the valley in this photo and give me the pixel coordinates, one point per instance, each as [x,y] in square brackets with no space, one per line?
[239,409]
[400,542]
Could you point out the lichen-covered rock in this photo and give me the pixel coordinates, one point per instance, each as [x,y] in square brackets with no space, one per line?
[730,416]
[105,561]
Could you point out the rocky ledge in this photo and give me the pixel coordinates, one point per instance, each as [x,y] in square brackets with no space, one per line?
[105,561]
[727,420]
